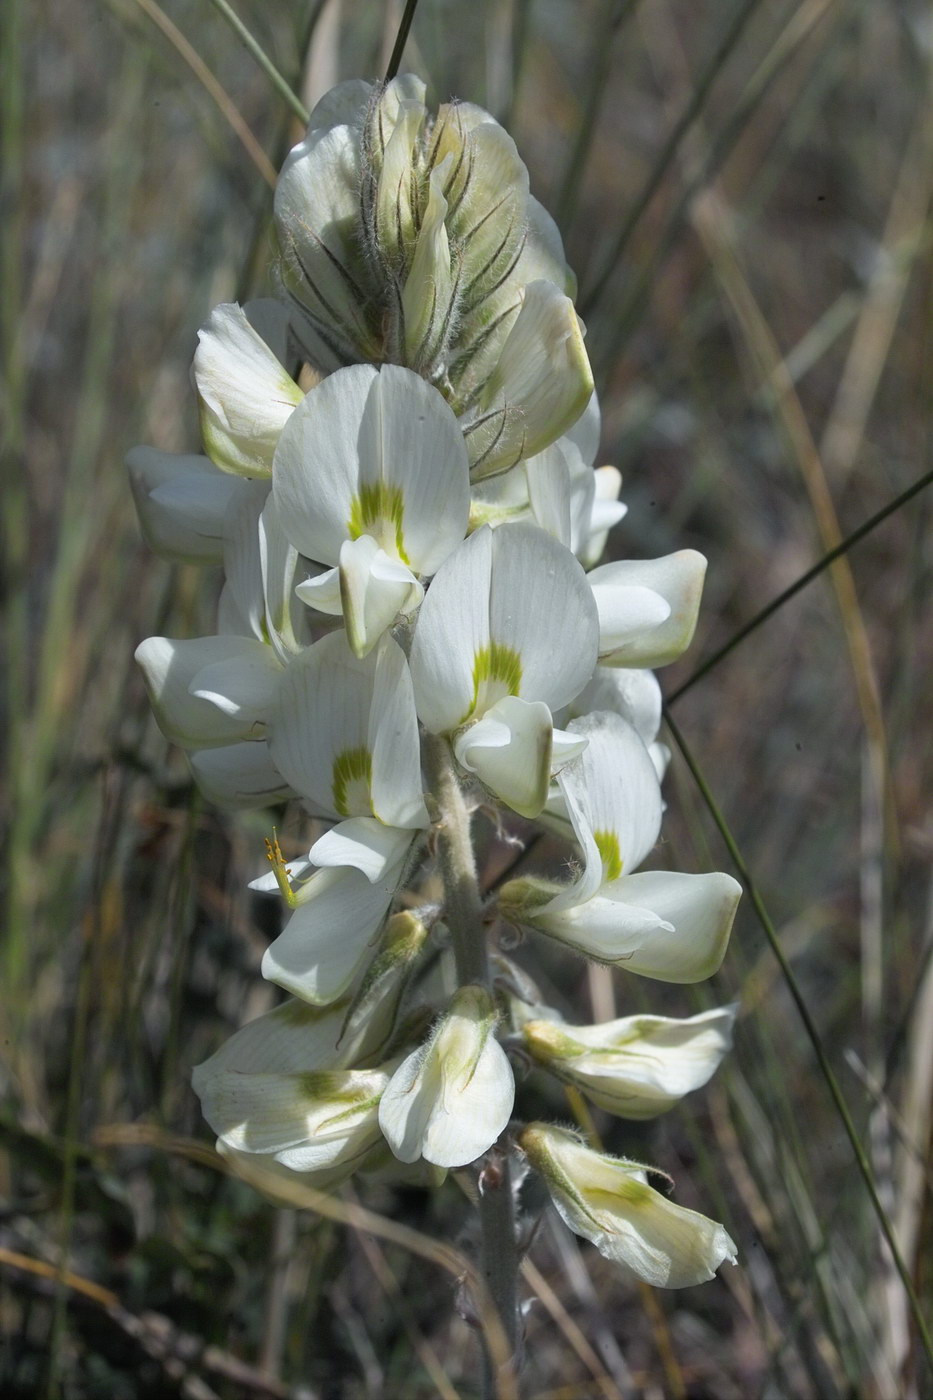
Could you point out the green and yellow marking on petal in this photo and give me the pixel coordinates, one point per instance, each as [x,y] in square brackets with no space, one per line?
[379,510]
[607,843]
[497,672]
[352,779]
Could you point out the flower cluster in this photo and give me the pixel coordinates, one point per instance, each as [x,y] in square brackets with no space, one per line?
[399,486]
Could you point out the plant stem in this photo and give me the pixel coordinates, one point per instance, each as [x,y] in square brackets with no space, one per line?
[499,1255]
[464,902]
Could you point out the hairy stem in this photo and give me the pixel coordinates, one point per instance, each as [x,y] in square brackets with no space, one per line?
[464,917]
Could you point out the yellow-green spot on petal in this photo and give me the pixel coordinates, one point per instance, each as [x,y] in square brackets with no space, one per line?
[497,672]
[607,843]
[352,766]
[379,510]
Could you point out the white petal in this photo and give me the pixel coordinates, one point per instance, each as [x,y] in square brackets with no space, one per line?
[565,748]
[637,1066]
[244,686]
[332,704]
[239,775]
[629,640]
[626,612]
[365,844]
[606,511]
[635,695]
[181,501]
[316,215]
[269,319]
[549,494]
[538,594]
[295,1038]
[509,750]
[386,457]
[374,589]
[170,667]
[450,1100]
[458,1134]
[452,627]
[246,396]
[323,945]
[322,592]
[243,557]
[613,787]
[697,912]
[540,386]
[608,1201]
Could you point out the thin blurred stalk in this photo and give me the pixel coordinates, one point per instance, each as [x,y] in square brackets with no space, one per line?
[690,113]
[627,316]
[615,15]
[253,47]
[401,39]
[13,120]
[189,54]
[825,1068]
[793,589]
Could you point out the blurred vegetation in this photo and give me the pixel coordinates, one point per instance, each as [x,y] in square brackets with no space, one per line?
[744,189]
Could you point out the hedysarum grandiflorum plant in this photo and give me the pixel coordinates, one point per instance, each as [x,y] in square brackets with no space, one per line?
[414,633]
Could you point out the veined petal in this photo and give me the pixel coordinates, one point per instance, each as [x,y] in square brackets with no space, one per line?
[605,512]
[659,924]
[295,1038]
[613,789]
[170,667]
[365,844]
[509,750]
[633,694]
[243,687]
[246,396]
[239,775]
[540,386]
[487,626]
[648,608]
[316,217]
[305,1121]
[345,733]
[637,1066]
[607,1200]
[181,500]
[243,557]
[323,945]
[386,458]
[322,592]
[374,589]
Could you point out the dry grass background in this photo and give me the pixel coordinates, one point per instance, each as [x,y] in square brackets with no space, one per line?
[744,190]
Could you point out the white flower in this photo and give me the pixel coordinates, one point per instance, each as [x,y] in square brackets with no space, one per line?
[245,395]
[637,1066]
[647,608]
[607,1200]
[210,691]
[310,1121]
[345,734]
[181,500]
[506,634]
[371,476]
[659,924]
[449,1100]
